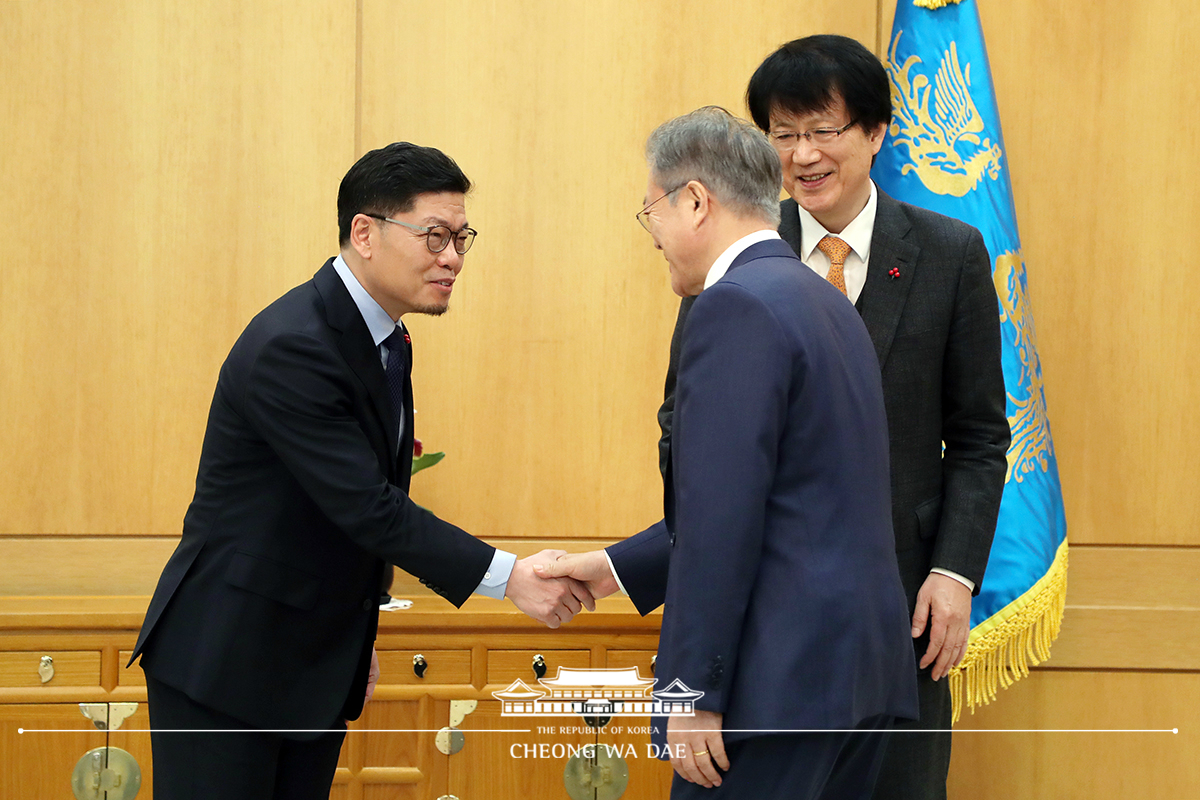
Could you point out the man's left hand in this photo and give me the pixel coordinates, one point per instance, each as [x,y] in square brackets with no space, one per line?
[699,740]
[372,676]
[945,605]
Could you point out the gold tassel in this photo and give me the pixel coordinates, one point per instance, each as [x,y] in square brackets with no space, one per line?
[934,5]
[1004,646]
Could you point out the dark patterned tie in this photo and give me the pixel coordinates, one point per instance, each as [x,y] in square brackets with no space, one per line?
[397,346]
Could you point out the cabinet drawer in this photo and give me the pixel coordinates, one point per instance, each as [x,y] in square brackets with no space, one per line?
[642,659]
[71,668]
[506,666]
[441,667]
[132,676]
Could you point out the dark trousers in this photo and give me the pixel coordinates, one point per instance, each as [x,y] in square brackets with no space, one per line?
[218,756]
[798,766]
[915,763]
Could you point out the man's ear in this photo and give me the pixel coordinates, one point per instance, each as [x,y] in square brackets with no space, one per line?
[360,235]
[699,201]
[875,137]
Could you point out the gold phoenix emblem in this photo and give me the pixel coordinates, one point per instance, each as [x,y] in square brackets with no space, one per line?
[1031,445]
[934,133]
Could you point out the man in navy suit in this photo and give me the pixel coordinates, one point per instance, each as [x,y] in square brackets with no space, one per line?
[922,284]
[775,561]
[261,629]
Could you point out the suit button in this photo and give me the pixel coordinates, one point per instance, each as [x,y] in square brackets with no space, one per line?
[367,604]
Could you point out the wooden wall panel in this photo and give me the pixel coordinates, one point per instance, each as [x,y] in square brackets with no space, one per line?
[1069,756]
[168,170]
[1126,660]
[543,380]
[1105,160]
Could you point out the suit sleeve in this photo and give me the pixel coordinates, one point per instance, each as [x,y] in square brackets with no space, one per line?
[733,392]
[298,398]
[974,426]
[642,563]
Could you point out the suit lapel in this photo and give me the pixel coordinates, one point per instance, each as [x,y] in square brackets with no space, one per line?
[358,348]
[882,300]
[789,224]
[883,297]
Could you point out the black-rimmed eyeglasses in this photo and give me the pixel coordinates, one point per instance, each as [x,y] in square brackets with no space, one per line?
[438,236]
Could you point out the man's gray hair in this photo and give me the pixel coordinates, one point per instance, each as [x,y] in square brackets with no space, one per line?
[731,157]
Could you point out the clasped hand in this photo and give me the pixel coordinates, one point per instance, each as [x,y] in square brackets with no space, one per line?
[552,599]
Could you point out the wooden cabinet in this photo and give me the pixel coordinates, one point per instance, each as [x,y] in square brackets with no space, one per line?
[391,752]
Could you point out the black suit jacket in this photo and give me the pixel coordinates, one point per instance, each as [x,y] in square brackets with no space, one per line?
[268,608]
[936,333]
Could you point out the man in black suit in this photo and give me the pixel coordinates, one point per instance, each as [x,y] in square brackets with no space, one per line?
[774,565]
[922,283]
[262,627]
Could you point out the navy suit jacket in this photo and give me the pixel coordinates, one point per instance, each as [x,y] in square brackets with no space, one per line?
[268,608]
[936,334]
[776,562]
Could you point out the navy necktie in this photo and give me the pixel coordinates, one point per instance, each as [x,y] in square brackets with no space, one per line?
[397,346]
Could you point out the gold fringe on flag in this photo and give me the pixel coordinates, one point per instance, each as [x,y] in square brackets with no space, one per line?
[1005,645]
[933,5]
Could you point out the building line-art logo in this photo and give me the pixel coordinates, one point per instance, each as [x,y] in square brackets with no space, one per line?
[609,692]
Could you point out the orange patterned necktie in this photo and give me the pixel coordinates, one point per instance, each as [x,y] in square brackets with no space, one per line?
[837,250]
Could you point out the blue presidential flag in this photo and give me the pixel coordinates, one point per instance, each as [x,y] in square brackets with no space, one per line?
[944,151]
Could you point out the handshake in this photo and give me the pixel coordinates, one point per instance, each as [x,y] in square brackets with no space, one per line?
[553,585]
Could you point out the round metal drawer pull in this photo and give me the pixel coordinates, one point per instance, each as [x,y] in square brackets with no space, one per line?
[46,669]
[106,772]
[420,665]
[539,666]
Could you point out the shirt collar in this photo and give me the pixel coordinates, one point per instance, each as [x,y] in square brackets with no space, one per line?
[725,260]
[857,234]
[378,322]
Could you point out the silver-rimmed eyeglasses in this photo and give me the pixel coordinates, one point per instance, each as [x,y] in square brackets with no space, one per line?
[438,236]
[786,141]
[643,216]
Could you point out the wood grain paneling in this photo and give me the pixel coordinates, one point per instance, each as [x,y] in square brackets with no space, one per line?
[441,667]
[83,565]
[506,666]
[1104,217]
[71,668]
[1131,608]
[39,761]
[171,169]
[130,565]
[1084,763]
